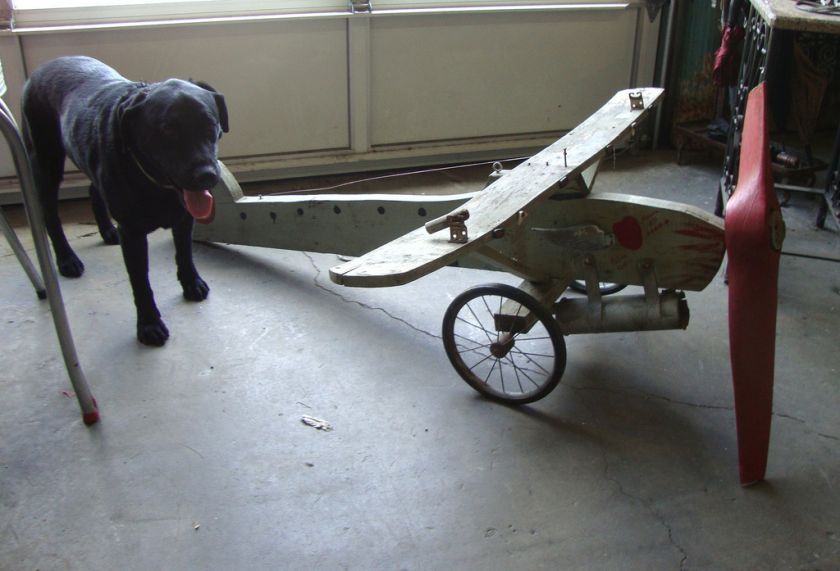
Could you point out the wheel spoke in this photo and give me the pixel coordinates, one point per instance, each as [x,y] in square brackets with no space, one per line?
[490,311]
[473,341]
[532,354]
[518,352]
[480,362]
[516,373]
[492,368]
[527,376]
[466,350]
[463,349]
[480,325]
[501,373]
[518,339]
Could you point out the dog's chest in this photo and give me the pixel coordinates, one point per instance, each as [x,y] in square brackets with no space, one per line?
[145,209]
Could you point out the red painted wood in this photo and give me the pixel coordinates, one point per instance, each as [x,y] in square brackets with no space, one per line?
[754,232]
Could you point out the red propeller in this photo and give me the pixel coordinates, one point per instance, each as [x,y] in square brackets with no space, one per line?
[754,234]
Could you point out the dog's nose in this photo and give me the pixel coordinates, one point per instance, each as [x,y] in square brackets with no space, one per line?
[205,177]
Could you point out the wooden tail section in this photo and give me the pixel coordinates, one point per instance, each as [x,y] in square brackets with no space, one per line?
[754,234]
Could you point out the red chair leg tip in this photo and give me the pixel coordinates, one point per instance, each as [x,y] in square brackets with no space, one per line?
[91,417]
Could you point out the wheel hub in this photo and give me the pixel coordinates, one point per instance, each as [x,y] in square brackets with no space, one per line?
[502,346]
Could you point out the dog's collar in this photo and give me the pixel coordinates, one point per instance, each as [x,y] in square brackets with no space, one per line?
[151,179]
[142,88]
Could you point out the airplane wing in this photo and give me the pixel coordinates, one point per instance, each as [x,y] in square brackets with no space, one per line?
[499,205]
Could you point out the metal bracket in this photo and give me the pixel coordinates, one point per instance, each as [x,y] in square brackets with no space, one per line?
[652,297]
[458,232]
[593,286]
[636,101]
[360,6]
[456,224]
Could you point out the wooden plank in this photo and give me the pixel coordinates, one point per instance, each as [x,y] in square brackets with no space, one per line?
[683,244]
[418,253]
[347,224]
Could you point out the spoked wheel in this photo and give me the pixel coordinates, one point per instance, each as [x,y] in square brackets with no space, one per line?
[504,343]
[606,287]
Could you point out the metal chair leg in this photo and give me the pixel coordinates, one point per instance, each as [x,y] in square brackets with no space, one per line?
[9,128]
[24,260]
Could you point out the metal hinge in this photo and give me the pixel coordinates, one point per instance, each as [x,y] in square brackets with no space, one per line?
[363,6]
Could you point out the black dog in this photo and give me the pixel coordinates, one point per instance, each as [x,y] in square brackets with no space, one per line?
[150,153]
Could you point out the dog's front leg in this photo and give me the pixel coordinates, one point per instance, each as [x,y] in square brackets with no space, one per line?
[195,288]
[150,328]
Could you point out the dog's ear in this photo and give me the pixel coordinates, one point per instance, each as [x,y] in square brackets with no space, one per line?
[220,103]
[127,111]
[223,114]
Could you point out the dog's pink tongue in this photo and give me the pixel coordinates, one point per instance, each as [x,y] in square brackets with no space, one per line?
[199,205]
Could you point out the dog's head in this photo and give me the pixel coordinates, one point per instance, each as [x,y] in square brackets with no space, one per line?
[172,129]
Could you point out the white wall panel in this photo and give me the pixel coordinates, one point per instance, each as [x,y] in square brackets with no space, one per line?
[285,84]
[457,76]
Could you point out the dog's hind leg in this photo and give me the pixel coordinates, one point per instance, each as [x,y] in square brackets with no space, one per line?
[135,249]
[46,155]
[195,288]
[103,218]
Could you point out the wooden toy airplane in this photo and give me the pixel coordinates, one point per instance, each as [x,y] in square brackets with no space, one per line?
[541,221]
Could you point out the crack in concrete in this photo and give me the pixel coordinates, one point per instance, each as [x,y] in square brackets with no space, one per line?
[642,394]
[322,287]
[805,422]
[647,504]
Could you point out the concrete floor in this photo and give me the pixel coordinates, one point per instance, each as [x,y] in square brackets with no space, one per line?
[201,460]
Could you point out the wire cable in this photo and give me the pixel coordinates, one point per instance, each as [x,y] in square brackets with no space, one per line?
[390,176]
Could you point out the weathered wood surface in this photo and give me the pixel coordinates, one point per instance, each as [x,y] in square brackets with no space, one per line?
[349,224]
[784,15]
[418,253]
[682,244]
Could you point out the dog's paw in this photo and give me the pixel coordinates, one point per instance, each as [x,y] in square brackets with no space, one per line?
[71,267]
[196,289]
[154,333]
[110,236]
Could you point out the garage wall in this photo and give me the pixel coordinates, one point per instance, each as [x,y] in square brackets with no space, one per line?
[359,92]
[491,75]
[285,83]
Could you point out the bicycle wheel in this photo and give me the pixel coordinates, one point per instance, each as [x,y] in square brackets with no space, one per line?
[516,357]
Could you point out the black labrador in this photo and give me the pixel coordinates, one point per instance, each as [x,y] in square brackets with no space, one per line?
[150,151]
